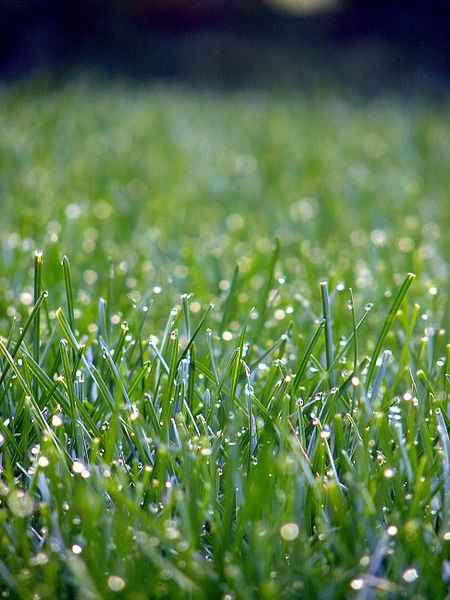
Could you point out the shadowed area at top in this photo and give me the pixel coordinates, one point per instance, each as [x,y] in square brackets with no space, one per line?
[366,46]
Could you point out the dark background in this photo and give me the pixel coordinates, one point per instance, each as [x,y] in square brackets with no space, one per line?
[399,43]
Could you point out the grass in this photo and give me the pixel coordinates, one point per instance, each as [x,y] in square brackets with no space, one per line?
[191,408]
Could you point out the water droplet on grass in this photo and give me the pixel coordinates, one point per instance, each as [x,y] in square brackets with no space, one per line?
[56,421]
[289,531]
[39,559]
[357,584]
[78,467]
[20,503]
[116,583]
[410,575]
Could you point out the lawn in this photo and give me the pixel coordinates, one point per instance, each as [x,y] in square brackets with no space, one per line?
[224,351]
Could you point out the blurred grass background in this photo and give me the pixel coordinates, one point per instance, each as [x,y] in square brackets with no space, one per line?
[177,185]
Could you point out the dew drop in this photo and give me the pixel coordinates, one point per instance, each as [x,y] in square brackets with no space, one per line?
[43,462]
[357,584]
[116,583]
[20,503]
[410,575]
[77,467]
[289,531]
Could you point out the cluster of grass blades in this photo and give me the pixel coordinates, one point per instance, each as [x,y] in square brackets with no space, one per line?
[190,463]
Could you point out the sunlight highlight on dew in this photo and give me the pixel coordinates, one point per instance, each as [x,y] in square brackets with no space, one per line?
[116,583]
[289,531]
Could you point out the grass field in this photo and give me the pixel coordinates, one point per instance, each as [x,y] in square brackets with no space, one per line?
[236,385]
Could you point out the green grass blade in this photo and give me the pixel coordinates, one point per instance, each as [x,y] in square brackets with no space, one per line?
[327,330]
[307,354]
[387,326]
[38,259]
[196,332]
[69,292]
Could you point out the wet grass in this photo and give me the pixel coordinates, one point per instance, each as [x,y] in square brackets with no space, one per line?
[236,386]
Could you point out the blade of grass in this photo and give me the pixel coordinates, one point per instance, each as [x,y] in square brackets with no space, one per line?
[194,335]
[69,292]
[38,259]
[307,354]
[74,418]
[402,362]
[381,373]
[387,325]
[327,330]
[237,365]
